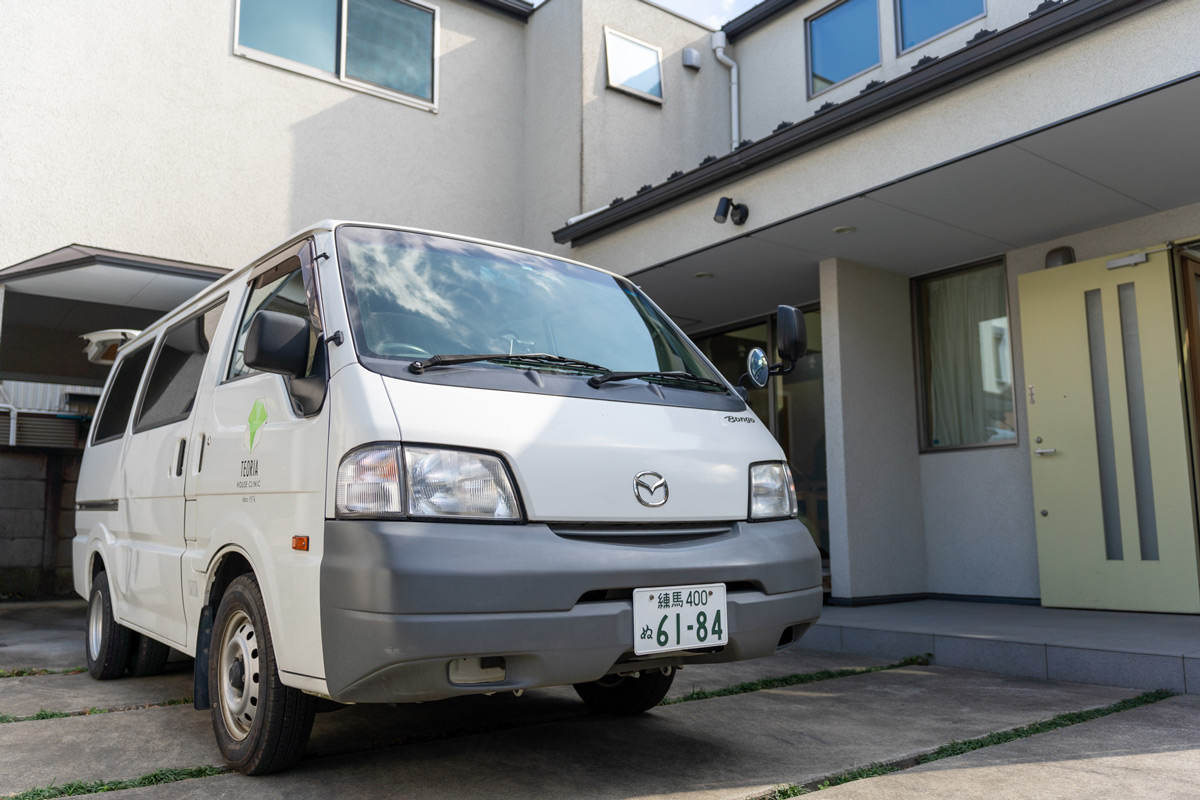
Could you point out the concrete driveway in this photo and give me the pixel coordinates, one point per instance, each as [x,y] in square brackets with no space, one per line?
[546,743]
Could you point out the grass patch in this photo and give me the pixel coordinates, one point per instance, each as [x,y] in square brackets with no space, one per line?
[793,680]
[75,788]
[1052,724]
[959,748]
[41,714]
[22,672]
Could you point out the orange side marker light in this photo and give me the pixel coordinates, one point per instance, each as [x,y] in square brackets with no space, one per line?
[299,542]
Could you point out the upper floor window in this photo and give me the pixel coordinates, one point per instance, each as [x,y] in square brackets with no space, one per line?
[383,47]
[842,42]
[633,66]
[965,358]
[922,20]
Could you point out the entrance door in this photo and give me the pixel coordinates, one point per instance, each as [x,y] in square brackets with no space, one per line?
[1112,481]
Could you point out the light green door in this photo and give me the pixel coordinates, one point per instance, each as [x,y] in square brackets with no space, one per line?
[1112,481]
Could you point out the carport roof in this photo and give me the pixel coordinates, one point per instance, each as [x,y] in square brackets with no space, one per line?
[50,300]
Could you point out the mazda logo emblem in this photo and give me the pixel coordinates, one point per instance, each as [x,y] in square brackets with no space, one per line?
[646,486]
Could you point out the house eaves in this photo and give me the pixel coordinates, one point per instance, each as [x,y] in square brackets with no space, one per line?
[760,14]
[517,8]
[1051,24]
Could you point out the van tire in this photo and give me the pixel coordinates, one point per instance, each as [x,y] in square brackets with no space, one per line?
[262,726]
[626,694]
[146,656]
[106,641]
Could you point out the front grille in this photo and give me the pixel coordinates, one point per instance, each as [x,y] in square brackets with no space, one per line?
[641,534]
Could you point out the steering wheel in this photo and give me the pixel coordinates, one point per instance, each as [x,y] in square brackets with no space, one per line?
[402,349]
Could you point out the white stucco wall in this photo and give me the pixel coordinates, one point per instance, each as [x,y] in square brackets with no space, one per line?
[876,530]
[553,178]
[1101,67]
[134,127]
[629,142]
[774,60]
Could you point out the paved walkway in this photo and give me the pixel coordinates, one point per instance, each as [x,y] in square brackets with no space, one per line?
[1149,651]
[1149,753]
[547,744]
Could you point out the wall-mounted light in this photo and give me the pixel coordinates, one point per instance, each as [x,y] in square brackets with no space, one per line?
[1060,256]
[727,208]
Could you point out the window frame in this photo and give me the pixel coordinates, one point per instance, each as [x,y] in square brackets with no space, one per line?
[339,78]
[629,90]
[133,405]
[898,12]
[921,367]
[158,345]
[808,50]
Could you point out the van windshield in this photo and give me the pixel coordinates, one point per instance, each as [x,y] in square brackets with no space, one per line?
[413,296]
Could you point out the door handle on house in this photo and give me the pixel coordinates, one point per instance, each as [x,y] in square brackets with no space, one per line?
[1049,452]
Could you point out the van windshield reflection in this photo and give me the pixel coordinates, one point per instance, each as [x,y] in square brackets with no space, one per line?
[414,296]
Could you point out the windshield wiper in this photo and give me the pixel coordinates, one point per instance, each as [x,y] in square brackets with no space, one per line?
[684,377]
[418,367]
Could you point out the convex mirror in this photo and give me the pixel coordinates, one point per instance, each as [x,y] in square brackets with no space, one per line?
[757,367]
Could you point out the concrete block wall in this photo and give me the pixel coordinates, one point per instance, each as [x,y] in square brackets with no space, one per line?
[37,521]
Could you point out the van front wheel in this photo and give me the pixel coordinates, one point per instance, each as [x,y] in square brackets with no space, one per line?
[262,726]
[107,639]
[627,694]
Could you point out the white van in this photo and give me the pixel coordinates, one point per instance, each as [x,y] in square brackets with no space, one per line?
[388,465]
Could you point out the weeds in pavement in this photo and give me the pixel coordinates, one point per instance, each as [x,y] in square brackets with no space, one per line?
[967,746]
[75,788]
[22,672]
[41,714]
[793,680]
[1061,721]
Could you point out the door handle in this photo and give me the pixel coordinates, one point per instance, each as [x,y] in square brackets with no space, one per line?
[179,457]
[1049,452]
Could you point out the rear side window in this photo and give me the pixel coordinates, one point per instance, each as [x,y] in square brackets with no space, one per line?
[175,377]
[110,424]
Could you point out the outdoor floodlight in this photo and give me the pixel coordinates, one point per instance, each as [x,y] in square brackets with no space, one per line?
[727,208]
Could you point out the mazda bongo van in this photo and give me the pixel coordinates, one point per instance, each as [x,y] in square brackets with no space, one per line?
[383,465]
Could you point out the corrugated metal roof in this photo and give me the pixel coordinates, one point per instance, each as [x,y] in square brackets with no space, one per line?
[45,397]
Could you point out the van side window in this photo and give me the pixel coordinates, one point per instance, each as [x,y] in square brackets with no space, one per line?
[284,294]
[110,424]
[175,377]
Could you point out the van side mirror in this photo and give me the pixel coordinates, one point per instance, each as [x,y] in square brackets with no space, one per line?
[792,335]
[278,343]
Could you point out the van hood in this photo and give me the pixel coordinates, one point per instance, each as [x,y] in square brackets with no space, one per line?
[576,460]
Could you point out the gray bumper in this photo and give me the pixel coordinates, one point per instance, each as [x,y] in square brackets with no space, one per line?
[400,600]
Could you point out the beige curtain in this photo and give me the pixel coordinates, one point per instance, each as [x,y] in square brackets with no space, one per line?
[961,411]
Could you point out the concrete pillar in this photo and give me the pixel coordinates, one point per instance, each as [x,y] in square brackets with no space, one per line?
[876,529]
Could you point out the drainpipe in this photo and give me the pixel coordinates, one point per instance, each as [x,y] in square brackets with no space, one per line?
[718,45]
[12,423]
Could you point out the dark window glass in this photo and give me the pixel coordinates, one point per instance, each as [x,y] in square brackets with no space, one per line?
[966,358]
[171,390]
[921,20]
[284,294]
[298,30]
[119,402]
[390,44]
[842,42]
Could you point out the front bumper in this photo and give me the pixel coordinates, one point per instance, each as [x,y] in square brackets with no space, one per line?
[401,600]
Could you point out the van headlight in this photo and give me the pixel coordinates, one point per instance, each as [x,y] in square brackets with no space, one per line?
[428,482]
[772,493]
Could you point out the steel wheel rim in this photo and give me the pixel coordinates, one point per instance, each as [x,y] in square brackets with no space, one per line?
[239,675]
[95,629]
